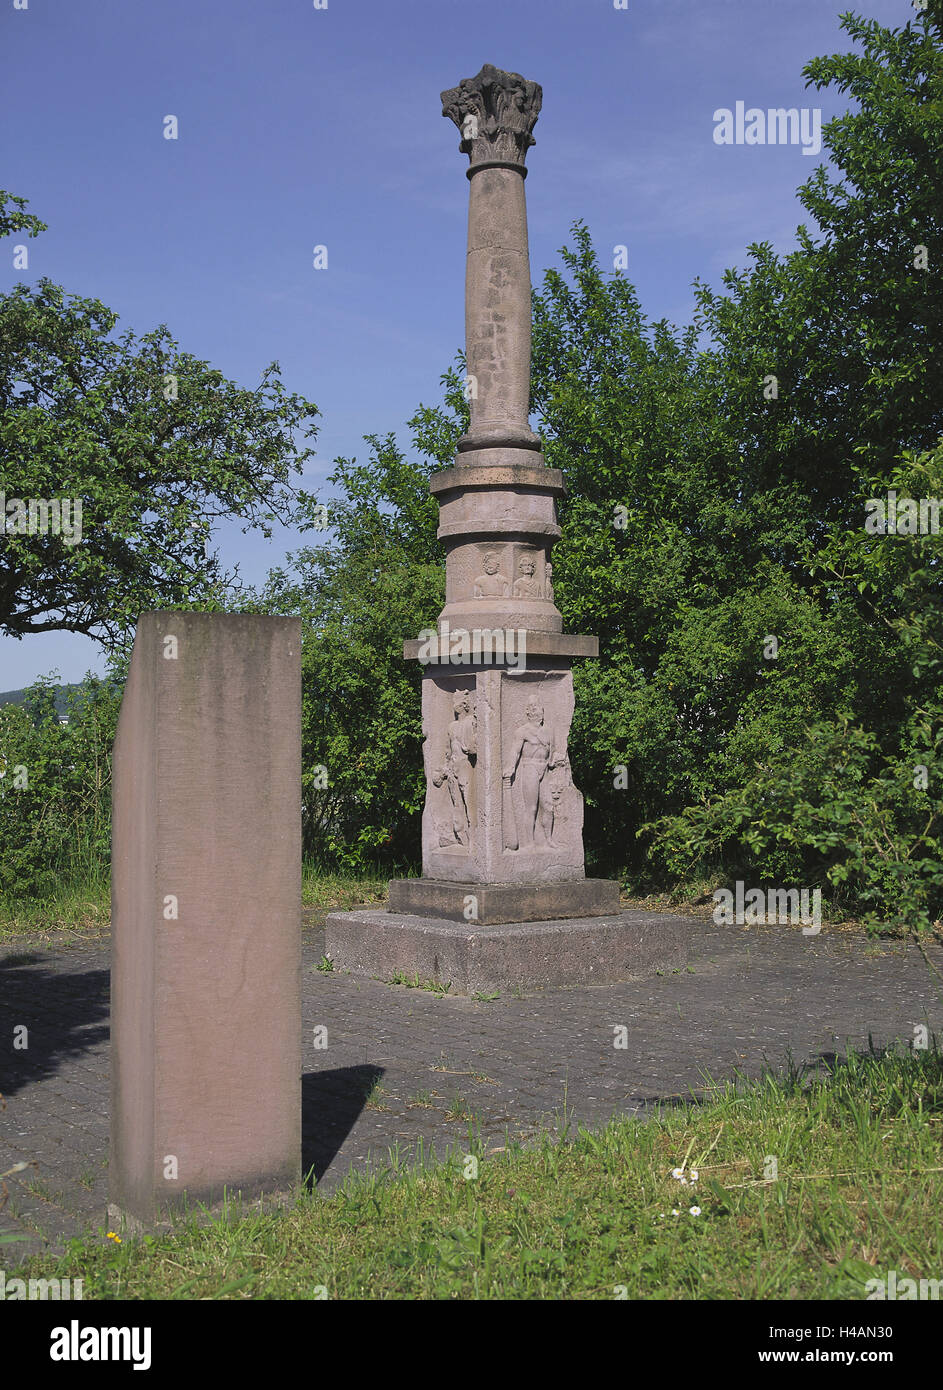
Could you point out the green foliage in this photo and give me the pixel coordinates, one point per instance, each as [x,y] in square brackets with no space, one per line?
[831,811]
[380,582]
[15,218]
[55,787]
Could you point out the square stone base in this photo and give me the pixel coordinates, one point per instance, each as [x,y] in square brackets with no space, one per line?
[522,956]
[485,904]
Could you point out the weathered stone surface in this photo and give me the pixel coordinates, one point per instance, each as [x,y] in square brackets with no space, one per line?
[497,512]
[496,112]
[487,904]
[494,468]
[206,912]
[517,955]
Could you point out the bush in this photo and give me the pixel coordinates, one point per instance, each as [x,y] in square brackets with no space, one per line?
[836,811]
[55,787]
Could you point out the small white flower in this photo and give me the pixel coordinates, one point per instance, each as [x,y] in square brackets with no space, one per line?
[675,1212]
[694,1175]
[677,1172]
[695,1211]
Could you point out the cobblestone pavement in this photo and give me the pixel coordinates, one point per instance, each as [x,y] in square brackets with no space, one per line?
[749,998]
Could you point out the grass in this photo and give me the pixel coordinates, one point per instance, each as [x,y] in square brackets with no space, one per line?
[423,1099]
[81,908]
[459,1109]
[328,892]
[414,982]
[375,1096]
[856,1190]
[693,897]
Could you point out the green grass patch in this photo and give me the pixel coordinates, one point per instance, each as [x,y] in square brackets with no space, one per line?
[807,1185]
[414,981]
[328,892]
[81,905]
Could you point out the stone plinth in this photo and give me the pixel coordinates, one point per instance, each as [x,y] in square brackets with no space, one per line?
[487,904]
[522,956]
[206,914]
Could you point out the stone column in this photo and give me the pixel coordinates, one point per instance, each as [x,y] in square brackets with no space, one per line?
[503,901]
[501,805]
[496,112]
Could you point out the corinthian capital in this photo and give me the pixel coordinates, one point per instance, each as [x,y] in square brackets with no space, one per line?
[495,112]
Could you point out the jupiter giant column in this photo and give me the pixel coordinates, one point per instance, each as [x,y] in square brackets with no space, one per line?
[503,901]
[503,819]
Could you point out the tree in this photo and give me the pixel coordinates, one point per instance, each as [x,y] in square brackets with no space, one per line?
[850,324]
[146,444]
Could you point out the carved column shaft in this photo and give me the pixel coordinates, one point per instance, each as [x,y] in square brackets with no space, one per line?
[497,311]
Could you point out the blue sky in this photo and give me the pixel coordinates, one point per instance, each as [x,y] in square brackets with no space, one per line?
[301,127]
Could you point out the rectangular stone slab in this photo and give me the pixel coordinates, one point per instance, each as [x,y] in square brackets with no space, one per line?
[206,914]
[489,903]
[517,956]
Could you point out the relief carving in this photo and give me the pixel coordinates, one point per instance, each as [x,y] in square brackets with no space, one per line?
[527,586]
[539,765]
[457,772]
[492,584]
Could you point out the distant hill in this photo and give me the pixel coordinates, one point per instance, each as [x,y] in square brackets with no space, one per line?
[17,697]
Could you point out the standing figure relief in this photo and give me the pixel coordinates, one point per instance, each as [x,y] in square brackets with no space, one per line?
[536,751]
[457,771]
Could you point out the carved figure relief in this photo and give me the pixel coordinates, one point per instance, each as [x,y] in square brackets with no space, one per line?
[539,763]
[527,586]
[457,771]
[492,584]
[557,818]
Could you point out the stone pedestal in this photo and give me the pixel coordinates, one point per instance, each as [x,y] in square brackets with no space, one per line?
[501,806]
[206,914]
[516,956]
